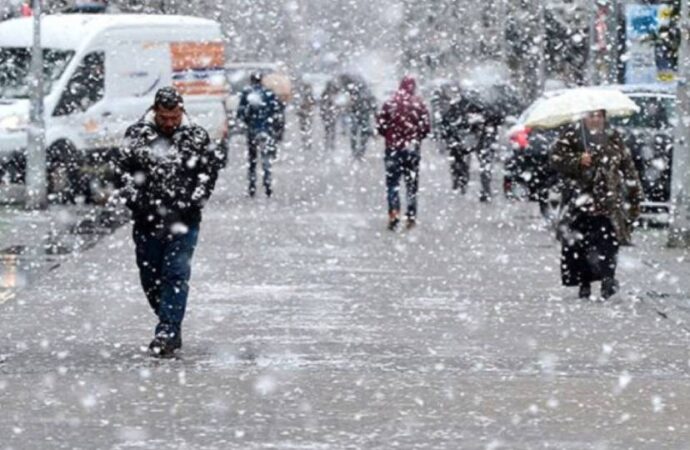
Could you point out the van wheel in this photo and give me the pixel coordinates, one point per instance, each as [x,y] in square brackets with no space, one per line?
[63,169]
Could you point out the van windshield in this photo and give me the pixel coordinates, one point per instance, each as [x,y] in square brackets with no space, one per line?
[15,66]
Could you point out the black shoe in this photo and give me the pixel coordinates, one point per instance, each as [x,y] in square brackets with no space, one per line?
[585,290]
[165,344]
[609,287]
[411,223]
[485,198]
[269,192]
[393,224]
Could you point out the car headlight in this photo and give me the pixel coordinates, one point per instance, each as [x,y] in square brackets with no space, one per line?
[13,123]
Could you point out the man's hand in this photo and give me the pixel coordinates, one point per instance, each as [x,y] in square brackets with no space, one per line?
[586,160]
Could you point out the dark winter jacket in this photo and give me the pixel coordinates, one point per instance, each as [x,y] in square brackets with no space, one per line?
[168,187]
[610,187]
[460,124]
[469,124]
[261,111]
[328,104]
[306,102]
[361,106]
[404,119]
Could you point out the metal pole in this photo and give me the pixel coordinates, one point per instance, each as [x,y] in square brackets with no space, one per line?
[35,153]
[502,24]
[591,52]
[542,48]
[679,235]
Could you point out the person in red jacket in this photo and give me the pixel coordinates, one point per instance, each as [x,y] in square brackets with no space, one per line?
[404,122]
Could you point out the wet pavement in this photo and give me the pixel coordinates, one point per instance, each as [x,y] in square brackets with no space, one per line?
[311,326]
[33,243]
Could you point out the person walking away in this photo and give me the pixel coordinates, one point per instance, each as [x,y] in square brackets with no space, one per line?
[460,136]
[602,192]
[362,106]
[277,128]
[306,104]
[167,171]
[486,123]
[260,111]
[404,122]
[328,110]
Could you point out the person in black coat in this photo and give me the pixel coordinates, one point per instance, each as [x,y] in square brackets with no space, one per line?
[470,125]
[460,136]
[168,170]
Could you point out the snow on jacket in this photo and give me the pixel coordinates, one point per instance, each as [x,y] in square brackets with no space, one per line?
[165,181]
[404,119]
[260,110]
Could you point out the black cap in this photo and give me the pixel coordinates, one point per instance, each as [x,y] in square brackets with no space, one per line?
[168,98]
[255,77]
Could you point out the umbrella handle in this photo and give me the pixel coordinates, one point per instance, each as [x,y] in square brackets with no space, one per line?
[584,135]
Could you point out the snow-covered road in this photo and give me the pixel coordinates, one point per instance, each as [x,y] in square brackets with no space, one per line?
[311,326]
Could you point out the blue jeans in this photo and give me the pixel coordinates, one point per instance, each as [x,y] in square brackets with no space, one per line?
[165,265]
[402,163]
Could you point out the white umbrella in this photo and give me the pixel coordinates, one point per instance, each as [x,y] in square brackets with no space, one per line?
[573,104]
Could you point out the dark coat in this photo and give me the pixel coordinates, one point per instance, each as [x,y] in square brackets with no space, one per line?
[469,123]
[261,111]
[404,119]
[327,104]
[459,124]
[610,188]
[162,191]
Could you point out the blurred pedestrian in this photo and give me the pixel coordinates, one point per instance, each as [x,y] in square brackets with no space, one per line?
[602,195]
[306,103]
[461,136]
[329,113]
[167,170]
[361,108]
[263,114]
[404,123]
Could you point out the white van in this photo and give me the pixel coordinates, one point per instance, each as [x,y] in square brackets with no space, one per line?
[101,73]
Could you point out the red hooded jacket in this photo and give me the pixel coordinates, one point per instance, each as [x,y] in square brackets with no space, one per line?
[403,120]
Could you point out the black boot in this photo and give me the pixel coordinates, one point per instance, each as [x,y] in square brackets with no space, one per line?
[164,344]
[609,287]
[585,290]
[393,219]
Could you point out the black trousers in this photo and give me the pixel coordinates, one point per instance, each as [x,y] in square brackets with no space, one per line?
[590,251]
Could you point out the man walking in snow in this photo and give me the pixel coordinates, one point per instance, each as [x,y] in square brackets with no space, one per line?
[261,111]
[404,123]
[168,170]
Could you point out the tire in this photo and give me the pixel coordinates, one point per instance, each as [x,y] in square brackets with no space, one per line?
[63,170]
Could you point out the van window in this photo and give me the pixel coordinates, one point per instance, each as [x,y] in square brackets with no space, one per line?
[86,87]
[15,67]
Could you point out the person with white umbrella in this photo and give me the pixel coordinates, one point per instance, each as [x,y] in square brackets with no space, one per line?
[601,198]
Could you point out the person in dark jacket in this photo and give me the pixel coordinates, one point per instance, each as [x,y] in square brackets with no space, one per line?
[306,103]
[602,196]
[167,170]
[360,109]
[461,137]
[404,122]
[329,113]
[261,112]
